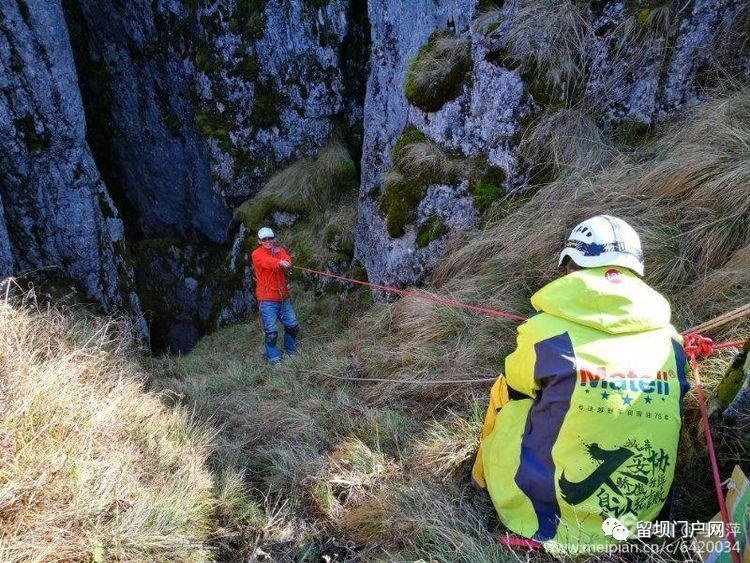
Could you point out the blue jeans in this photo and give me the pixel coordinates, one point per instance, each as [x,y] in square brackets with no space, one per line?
[270,312]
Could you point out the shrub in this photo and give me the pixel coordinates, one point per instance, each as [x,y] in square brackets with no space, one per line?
[438,72]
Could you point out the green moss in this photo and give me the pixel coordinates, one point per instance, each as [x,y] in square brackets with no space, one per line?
[204,59]
[632,133]
[399,204]
[249,18]
[340,239]
[359,272]
[212,125]
[266,103]
[253,212]
[489,188]
[409,136]
[732,382]
[430,90]
[433,228]
[345,178]
[643,16]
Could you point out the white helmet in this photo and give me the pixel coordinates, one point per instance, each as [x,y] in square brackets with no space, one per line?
[604,241]
[266,232]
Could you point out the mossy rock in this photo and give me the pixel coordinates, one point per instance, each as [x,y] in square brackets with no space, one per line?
[253,212]
[399,204]
[489,188]
[345,178]
[359,272]
[409,136]
[267,102]
[339,239]
[211,125]
[433,228]
[430,91]
[732,382]
[249,18]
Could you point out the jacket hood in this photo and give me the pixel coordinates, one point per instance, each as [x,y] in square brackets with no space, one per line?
[610,299]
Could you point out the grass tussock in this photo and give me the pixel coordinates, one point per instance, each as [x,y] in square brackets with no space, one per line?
[547,39]
[303,187]
[437,73]
[93,468]
[563,142]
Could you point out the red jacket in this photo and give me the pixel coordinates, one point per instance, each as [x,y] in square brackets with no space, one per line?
[270,280]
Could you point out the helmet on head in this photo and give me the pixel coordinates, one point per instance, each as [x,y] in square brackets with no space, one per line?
[266,232]
[604,241]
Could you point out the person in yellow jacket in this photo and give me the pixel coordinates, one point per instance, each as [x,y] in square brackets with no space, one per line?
[584,425]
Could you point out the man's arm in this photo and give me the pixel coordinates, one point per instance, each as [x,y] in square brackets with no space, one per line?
[263,260]
[286,260]
[284,255]
[520,364]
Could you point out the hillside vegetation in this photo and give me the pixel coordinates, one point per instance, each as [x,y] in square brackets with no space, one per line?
[299,465]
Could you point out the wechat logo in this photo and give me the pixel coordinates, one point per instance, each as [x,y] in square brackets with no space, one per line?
[616,529]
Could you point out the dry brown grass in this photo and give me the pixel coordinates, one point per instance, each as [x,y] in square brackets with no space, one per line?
[91,466]
[568,140]
[307,185]
[547,37]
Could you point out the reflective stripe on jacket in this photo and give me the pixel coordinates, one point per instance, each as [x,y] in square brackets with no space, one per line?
[597,381]
[270,280]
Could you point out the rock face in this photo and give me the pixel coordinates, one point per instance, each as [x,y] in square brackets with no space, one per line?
[272,79]
[141,120]
[180,110]
[635,64]
[190,107]
[57,219]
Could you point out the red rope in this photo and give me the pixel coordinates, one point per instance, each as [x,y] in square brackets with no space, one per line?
[695,346]
[512,541]
[423,296]
[700,346]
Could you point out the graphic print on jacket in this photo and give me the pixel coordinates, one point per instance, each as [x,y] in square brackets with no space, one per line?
[605,375]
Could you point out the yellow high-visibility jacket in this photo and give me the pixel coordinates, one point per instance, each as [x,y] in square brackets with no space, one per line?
[585,424]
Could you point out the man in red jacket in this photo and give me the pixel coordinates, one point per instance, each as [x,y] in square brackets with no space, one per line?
[274,304]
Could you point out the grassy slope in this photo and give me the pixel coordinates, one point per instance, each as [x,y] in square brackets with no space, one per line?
[91,467]
[382,470]
[301,465]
